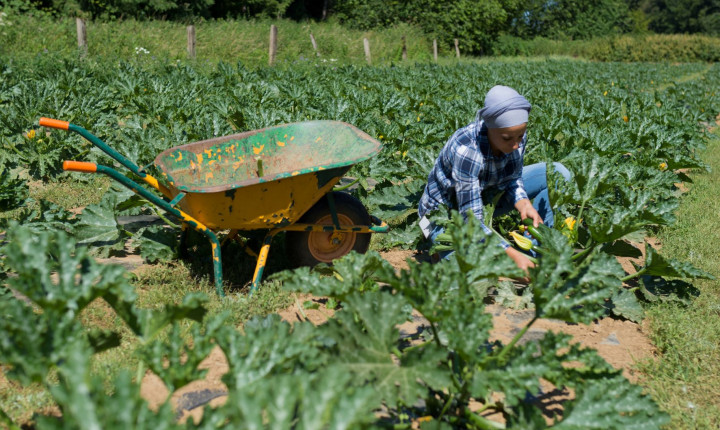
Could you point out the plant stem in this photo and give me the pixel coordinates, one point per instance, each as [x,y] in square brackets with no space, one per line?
[445,407]
[506,349]
[345,187]
[140,372]
[482,423]
[486,407]
[163,217]
[414,347]
[435,334]
[634,275]
[582,253]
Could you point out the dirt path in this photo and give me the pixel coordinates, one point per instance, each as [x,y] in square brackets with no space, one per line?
[620,343]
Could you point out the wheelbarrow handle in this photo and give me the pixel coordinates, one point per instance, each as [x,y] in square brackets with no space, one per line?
[54,123]
[149,179]
[65,125]
[79,166]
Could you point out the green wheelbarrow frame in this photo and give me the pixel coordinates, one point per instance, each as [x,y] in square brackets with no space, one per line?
[258,180]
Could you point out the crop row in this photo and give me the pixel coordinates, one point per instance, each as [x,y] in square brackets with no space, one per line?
[627,133]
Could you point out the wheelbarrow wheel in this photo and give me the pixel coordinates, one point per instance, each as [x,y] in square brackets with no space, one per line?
[310,248]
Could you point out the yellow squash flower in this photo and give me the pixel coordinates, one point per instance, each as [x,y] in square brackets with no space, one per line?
[570,222]
[521,241]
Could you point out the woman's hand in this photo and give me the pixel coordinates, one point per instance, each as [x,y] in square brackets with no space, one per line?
[527,210]
[520,260]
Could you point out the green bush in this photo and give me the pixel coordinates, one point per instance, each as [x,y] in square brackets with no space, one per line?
[649,47]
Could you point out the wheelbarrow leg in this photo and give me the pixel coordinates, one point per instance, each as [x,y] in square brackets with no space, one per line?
[182,246]
[216,253]
[261,260]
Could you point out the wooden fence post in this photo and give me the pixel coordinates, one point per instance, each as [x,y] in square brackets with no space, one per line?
[457,48]
[435,49]
[273,44]
[366,44]
[404,48]
[191,41]
[314,44]
[81,36]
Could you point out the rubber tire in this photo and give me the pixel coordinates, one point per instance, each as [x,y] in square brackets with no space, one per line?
[298,244]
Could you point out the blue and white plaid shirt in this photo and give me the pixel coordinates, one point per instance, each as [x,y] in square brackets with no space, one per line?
[466,167]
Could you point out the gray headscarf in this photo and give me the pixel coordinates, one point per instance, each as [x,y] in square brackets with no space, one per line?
[504,107]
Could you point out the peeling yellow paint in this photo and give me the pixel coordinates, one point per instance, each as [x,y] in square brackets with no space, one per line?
[179,156]
[259,149]
[199,158]
[292,138]
[318,139]
[208,176]
[236,165]
[281,143]
[152,181]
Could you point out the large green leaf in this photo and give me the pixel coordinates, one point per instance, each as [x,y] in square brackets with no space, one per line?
[327,399]
[612,403]
[626,305]
[568,292]
[657,265]
[57,276]
[353,272]
[656,288]
[366,341]
[86,405]
[269,347]
[157,243]
[174,360]
[97,226]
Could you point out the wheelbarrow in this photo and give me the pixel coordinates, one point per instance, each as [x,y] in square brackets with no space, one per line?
[270,180]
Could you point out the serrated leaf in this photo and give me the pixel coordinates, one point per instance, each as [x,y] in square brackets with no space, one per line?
[157,243]
[621,248]
[174,360]
[612,403]
[351,273]
[85,405]
[97,226]
[656,288]
[269,346]
[146,323]
[626,305]
[658,265]
[56,275]
[366,349]
[42,216]
[306,401]
[568,292]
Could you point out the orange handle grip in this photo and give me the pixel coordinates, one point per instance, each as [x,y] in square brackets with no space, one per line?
[54,123]
[79,166]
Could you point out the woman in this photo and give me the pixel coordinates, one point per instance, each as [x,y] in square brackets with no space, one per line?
[485,157]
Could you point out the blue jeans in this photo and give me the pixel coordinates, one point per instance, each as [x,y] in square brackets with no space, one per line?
[535,179]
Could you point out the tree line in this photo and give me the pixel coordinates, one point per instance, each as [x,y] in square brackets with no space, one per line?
[476,23]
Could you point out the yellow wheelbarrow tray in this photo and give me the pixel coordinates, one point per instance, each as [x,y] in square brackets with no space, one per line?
[262,180]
